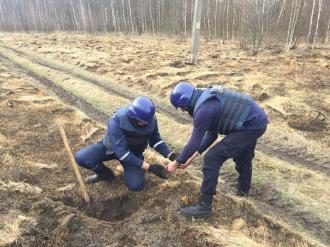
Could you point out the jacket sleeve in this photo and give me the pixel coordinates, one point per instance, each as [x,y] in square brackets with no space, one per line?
[208,139]
[120,146]
[157,143]
[201,125]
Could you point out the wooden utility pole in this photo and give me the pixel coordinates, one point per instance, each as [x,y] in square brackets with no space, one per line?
[196,30]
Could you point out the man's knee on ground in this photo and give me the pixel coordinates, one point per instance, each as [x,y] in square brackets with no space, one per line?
[79,158]
[81,161]
[135,185]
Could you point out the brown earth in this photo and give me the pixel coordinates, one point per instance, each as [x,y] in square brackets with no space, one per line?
[41,206]
[290,86]
[41,203]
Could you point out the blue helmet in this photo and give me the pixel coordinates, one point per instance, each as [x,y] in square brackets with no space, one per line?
[141,109]
[181,94]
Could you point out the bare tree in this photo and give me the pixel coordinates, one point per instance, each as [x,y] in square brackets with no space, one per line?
[114,19]
[131,16]
[215,18]
[152,19]
[249,21]
[311,21]
[327,33]
[295,12]
[281,12]
[227,21]
[185,17]
[317,23]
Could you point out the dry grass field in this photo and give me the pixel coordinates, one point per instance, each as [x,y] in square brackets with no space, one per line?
[94,75]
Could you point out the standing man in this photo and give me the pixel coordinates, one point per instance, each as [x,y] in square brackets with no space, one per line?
[129,132]
[217,110]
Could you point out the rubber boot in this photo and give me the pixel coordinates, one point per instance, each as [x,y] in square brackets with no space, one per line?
[201,209]
[101,173]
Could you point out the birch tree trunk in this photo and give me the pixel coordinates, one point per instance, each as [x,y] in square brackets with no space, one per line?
[152,19]
[131,16]
[124,17]
[208,20]
[74,15]
[105,20]
[290,27]
[113,15]
[295,15]
[262,16]
[90,16]
[185,18]
[311,22]
[33,19]
[145,19]
[223,28]
[82,9]
[159,15]
[281,12]
[317,23]
[327,34]
[215,18]
[227,21]
[233,20]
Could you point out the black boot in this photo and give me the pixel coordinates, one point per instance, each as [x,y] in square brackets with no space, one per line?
[242,193]
[102,173]
[201,209]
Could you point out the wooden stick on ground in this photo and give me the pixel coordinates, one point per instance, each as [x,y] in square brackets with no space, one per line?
[74,166]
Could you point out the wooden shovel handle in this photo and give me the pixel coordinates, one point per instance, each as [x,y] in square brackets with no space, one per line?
[74,166]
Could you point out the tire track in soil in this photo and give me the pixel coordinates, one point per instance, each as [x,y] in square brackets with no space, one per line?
[107,87]
[290,155]
[272,204]
[65,96]
[294,155]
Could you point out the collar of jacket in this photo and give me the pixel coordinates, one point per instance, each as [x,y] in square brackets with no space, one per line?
[192,102]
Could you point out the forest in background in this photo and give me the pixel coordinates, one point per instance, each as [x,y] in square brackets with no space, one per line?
[282,23]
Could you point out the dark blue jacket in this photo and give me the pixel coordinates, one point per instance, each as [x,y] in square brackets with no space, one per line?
[205,109]
[128,141]
[233,108]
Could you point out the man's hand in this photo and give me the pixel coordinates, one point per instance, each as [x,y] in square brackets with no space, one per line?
[184,166]
[171,167]
[172,156]
[158,170]
[145,166]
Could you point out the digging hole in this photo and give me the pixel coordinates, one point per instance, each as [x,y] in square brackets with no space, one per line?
[114,209]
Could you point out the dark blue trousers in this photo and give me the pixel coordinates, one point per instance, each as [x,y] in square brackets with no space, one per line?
[240,146]
[92,156]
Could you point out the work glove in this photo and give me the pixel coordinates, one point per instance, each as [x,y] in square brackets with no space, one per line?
[172,156]
[158,170]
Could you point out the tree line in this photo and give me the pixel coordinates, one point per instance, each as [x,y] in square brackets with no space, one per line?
[252,22]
